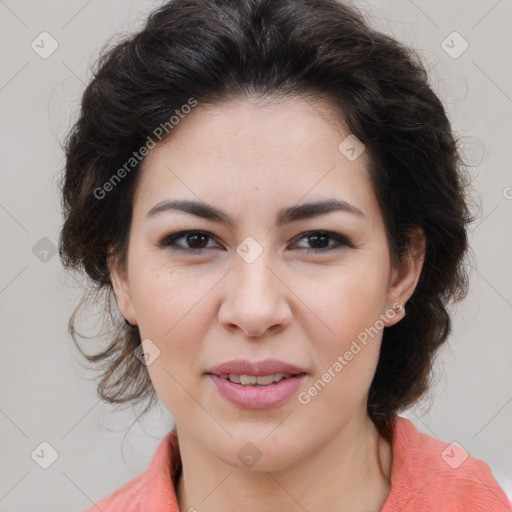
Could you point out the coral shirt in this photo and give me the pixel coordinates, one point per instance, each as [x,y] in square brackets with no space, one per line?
[427,475]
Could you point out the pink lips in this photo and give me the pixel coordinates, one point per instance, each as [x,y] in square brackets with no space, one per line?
[258,368]
[257,397]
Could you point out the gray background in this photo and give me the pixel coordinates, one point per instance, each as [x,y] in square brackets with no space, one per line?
[45,395]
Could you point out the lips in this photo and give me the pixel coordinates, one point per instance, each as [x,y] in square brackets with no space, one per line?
[249,396]
[256,368]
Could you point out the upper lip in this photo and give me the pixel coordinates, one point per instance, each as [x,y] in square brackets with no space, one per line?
[257,368]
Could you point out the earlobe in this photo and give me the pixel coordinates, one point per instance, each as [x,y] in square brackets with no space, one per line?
[122,292]
[394,314]
[405,276]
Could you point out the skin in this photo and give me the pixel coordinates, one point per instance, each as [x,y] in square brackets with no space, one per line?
[251,159]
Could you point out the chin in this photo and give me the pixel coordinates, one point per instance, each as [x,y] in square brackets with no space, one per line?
[256,450]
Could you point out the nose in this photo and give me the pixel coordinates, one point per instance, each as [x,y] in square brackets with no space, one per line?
[256,299]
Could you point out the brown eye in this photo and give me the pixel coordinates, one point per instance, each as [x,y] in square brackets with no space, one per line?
[193,240]
[196,241]
[319,240]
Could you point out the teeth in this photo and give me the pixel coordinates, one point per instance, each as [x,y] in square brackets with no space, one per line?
[253,380]
[263,380]
[247,379]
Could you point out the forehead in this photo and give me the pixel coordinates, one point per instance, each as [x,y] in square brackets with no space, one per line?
[285,149]
[236,129]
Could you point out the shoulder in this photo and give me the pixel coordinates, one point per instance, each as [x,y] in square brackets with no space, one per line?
[125,498]
[152,490]
[429,474]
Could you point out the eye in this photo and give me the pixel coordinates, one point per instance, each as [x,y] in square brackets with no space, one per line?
[320,241]
[196,241]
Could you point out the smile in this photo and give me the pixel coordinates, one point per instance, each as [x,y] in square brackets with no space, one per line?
[253,380]
[249,394]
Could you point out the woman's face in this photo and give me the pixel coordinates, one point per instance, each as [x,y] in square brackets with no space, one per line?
[265,285]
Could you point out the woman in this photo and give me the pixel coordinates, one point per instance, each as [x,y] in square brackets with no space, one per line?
[273,195]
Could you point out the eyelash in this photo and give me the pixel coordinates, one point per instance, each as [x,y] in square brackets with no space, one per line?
[169,241]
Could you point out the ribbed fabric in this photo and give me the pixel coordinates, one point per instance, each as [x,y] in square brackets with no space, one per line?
[430,475]
[427,475]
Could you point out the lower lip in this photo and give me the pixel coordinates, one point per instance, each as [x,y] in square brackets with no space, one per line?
[258,397]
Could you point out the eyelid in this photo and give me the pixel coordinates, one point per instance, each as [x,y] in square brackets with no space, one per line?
[341,241]
[165,243]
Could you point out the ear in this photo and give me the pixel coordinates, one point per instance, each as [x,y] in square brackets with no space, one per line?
[405,275]
[122,291]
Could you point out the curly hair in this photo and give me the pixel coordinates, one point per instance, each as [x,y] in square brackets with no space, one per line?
[217,50]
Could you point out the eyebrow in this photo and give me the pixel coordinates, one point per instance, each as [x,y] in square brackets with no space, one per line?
[284,216]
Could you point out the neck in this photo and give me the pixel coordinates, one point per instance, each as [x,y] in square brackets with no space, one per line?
[350,472]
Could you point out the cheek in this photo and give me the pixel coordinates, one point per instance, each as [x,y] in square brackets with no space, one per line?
[345,300]
[170,308]
[169,300]
[345,333]
[346,351]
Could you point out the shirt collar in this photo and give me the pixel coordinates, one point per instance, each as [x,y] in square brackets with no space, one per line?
[158,492]
[158,488]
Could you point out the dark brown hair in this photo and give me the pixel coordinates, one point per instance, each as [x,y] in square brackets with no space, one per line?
[217,50]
